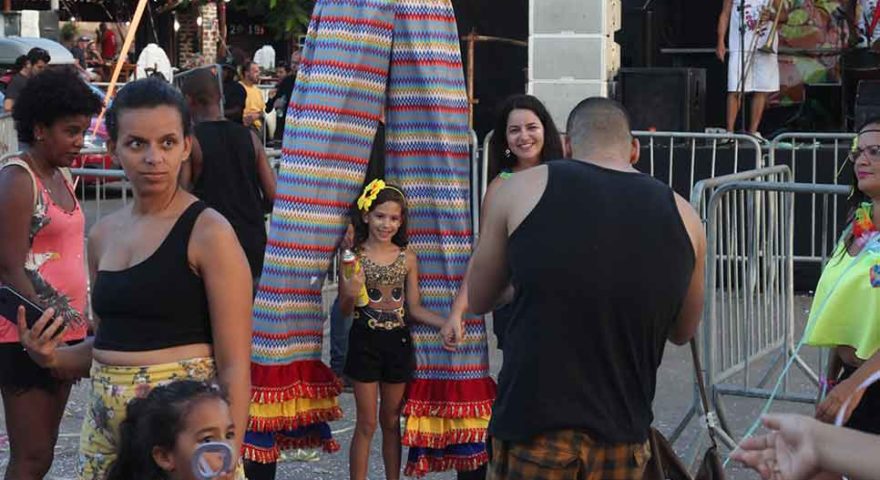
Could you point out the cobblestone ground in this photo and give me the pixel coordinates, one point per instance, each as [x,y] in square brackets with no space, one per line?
[673,400]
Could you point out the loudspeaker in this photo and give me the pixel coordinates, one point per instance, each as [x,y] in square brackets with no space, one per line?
[867,101]
[561,97]
[574,57]
[48,25]
[664,99]
[575,17]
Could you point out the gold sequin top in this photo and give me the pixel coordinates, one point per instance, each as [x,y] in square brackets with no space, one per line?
[384,282]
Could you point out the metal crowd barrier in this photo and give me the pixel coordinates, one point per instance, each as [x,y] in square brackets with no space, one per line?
[726,265]
[8,135]
[705,155]
[474,144]
[749,329]
[815,158]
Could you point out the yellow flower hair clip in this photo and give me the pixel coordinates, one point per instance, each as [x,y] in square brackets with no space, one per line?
[371,191]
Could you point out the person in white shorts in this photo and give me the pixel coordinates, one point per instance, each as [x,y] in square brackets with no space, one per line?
[761,69]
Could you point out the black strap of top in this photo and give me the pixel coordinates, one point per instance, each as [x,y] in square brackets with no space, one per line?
[183,228]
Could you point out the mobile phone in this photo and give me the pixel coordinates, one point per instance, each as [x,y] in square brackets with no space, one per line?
[10,300]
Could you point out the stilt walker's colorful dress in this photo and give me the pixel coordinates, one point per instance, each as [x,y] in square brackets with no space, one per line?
[359,56]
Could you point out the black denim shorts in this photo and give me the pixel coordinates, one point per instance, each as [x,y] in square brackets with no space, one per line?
[18,373]
[385,356]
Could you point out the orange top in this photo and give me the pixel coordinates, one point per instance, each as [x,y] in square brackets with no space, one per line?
[55,264]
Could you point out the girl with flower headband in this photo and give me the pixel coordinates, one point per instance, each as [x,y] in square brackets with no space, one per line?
[380,359]
[845,315]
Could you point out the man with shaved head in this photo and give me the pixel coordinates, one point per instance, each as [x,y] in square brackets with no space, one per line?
[228,168]
[607,265]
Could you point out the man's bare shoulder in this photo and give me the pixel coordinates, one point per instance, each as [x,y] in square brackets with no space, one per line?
[517,196]
[522,181]
[692,222]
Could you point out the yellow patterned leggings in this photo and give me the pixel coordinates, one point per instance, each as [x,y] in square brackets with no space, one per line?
[112,388]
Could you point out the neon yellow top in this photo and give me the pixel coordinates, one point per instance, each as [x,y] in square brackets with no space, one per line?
[846,307]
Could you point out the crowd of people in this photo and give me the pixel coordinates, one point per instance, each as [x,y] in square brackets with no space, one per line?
[167,346]
[94,56]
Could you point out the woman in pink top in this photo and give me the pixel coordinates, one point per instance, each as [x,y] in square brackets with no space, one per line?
[41,256]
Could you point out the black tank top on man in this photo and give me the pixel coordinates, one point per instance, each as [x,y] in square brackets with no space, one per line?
[600,267]
[158,303]
[229,184]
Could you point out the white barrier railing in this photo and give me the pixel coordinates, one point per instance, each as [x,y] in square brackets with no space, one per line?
[8,135]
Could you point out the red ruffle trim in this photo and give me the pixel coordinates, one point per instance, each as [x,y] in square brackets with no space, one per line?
[450,398]
[271,455]
[305,379]
[328,445]
[280,424]
[260,455]
[442,440]
[426,465]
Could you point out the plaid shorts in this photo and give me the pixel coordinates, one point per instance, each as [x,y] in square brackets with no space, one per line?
[567,455]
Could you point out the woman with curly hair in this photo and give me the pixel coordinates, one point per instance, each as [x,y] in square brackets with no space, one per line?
[41,257]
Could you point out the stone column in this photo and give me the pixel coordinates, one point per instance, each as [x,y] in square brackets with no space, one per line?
[210,31]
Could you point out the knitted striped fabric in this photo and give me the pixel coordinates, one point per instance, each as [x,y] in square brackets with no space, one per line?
[449,401]
[355,51]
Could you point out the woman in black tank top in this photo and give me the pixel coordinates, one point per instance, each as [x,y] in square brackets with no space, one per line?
[172,287]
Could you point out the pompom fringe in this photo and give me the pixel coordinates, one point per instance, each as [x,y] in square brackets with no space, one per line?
[329,445]
[271,455]
[450,398]
[260,455]
[311,379]
[267,395]
[447,409]
[425,465]
[442,440]
[280,424]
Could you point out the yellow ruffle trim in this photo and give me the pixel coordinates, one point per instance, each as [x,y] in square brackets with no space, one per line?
[293,414]
[436,432]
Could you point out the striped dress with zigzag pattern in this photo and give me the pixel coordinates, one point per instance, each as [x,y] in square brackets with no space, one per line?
[359,56]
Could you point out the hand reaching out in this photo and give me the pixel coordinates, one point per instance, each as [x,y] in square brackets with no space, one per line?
[788,452]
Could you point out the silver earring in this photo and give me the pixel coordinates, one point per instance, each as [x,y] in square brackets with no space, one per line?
[507,153]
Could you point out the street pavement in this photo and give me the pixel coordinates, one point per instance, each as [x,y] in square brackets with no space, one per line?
[674,398]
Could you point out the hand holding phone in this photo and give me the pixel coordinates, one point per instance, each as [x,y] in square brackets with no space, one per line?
[10,300]
[43,339]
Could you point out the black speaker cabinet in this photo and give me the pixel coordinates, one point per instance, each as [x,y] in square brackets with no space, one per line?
[867,101]
[664,99]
